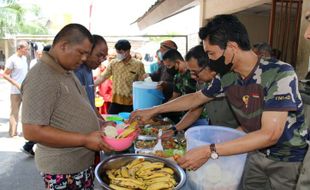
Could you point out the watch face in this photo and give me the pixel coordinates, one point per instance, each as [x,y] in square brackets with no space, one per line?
[214,155]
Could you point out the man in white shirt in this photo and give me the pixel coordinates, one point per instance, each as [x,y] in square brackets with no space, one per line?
[38,55]
[15,72]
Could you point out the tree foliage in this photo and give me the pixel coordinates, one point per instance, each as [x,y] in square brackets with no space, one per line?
[13,20]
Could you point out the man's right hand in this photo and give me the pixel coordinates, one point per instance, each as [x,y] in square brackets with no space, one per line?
[167,134]
[145,76]
[141,116]
[94,141]
[162,85]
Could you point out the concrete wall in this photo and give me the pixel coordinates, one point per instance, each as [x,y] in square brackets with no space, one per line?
[214,7]
[303,54]
[257,27]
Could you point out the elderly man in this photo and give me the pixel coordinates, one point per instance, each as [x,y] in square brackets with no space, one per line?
[265,98]
[15,72]
[58,116]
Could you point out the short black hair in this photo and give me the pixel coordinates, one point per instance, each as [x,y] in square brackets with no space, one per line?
[256,45]
[74,33]
[173,55]
[122,45]
[47,47]
[264,47]
[224,28]
[195,52]
[97,39]
[199,54]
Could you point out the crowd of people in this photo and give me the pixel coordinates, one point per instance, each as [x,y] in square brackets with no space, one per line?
[224,75]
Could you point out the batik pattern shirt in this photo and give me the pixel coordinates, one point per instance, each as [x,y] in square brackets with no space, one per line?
[123,76]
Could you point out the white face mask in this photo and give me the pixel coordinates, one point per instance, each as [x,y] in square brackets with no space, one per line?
[120,57]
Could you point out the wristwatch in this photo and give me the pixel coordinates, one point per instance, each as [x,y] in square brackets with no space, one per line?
[214,155]
[174,129]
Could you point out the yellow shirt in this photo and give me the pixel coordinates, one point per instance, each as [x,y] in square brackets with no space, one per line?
[123,77]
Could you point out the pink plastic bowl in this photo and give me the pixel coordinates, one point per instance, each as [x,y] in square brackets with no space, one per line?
[121,144]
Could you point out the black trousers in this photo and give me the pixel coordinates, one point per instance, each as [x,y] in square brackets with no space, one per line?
[117,108]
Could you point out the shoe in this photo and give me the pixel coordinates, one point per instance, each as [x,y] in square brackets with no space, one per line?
[29,152]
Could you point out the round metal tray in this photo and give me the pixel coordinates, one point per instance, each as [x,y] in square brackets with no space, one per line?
[117,161]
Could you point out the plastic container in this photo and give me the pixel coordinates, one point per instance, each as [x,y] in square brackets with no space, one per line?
[145,95]
[99,101]
[223,173]
[124,115]
[122,143]
[115,118]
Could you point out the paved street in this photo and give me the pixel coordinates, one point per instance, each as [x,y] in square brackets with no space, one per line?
[17,170]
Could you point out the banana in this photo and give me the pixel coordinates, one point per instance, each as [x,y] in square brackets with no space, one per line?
[135,181]
[129,183]
[117,173]
[159,186]
[143,175]
[152,166]
[126,133]
[166,170]
[130,129]
[160,179]
[124,172]
[115,187]
[133,171]
[156,175]
[135,162]
[110,174]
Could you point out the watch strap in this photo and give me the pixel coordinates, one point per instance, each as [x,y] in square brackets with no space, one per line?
[212,147]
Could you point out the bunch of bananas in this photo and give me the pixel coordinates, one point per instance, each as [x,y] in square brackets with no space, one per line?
[141,174]
[128,131]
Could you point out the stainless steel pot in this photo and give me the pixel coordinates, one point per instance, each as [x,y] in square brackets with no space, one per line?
[117,161]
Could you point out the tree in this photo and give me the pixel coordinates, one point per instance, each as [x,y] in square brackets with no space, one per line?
[13,21]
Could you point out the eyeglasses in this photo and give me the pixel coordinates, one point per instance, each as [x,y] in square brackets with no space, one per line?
[196,73]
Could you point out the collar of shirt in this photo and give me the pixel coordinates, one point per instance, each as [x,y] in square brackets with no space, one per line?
[50,61]
[130,62]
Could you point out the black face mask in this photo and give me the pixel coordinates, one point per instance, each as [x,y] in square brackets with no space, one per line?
[219,65]
[172,71]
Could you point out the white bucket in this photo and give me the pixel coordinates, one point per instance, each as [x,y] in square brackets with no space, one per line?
[223,173]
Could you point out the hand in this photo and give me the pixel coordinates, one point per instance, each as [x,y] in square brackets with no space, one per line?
[167,134]
[141,116]
[195,158]
[161,85]
[94,142]
[145,76]
[18,86]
